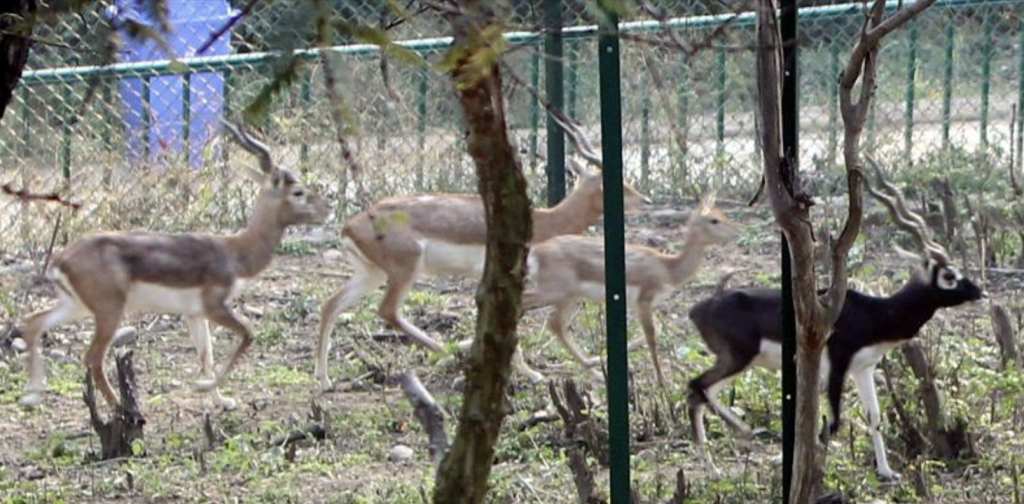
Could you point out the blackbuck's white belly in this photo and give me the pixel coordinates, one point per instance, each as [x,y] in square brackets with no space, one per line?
[445,258]
[770,356]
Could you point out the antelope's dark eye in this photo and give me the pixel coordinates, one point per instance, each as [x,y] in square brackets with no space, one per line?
[715,221]
[298,194]
[948,276]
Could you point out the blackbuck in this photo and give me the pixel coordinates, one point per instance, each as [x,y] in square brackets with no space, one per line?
[742,328]
[193,275]
[565,270]
[400,239]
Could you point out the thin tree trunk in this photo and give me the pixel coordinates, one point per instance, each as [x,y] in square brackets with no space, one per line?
[816,314]
[463,474]
[16,17]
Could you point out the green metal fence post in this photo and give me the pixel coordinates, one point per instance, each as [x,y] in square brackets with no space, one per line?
[421,123]
[947,78]
[572,68]
[683,99]
[534,108]
[908,112]
[65,150]
[645,136]
[986,72]
[186,116]
[615,260]
[146,106]
[720,103]
[554,88]
[229,85]
[26,122]
[307,98]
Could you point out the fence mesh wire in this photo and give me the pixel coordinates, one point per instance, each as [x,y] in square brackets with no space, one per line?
[138,143]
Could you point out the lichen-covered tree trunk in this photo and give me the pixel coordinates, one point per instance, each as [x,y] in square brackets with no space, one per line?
[463,474]
[16,26]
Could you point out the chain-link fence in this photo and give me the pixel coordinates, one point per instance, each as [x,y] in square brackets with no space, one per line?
[137,142]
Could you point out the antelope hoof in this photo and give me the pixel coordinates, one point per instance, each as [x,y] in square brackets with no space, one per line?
[31,400]
[204,385]
[889,477]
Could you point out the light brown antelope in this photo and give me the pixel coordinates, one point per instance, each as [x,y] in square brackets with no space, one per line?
[743,329]
[193,275]
[400,239]
[567,269]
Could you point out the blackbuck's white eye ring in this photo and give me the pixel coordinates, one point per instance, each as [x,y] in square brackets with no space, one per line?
[947,278]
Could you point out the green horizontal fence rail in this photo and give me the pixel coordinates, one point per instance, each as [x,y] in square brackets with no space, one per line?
[428,45]
[689,129]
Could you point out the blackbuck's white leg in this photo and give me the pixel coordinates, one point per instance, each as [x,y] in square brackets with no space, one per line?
[701,440]
[558,323]
[390,310]
[364,281]
[646,309]
[865,380]
[199,328]
[66,310]
[214,303]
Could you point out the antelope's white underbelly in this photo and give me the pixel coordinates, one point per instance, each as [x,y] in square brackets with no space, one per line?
[155,298]
[445,258]
[770,356]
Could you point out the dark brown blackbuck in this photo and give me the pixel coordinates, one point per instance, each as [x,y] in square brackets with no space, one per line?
[743,328]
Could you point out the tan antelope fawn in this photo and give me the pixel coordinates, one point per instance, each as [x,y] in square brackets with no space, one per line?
[567,269]
[399,239]
[193,275]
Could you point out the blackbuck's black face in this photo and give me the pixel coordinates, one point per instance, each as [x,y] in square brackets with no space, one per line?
[951,287]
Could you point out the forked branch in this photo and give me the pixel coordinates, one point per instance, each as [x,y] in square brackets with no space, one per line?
[862,67]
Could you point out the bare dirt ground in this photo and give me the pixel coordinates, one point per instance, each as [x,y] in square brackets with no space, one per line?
[45,454]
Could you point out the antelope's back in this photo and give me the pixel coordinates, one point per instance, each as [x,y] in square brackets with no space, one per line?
[732,315]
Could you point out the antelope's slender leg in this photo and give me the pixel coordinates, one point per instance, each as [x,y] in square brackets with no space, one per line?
[390,310]
[107,322]
[66,310]
[199,327]
[865,381]
[364,281]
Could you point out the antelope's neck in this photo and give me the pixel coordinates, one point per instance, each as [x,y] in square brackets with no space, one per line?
[254,247]
[571,216]
[685,264]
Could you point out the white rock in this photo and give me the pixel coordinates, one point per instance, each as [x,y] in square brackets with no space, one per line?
[400,454]
[19,344]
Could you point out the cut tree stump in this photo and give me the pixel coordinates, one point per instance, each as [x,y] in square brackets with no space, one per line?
[117,435]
